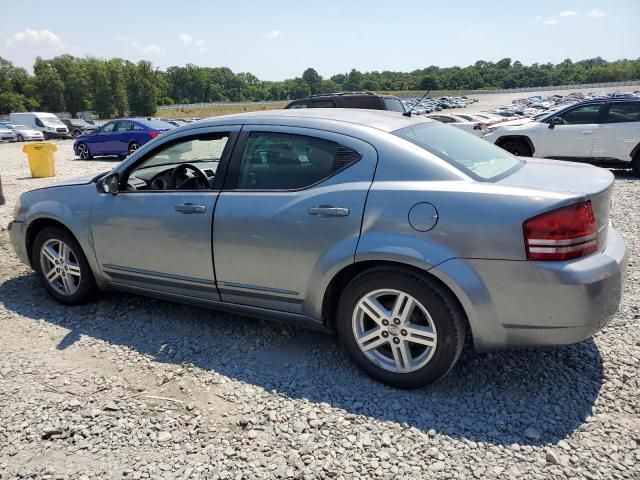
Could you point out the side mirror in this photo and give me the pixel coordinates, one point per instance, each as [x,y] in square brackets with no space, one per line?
[555,121]
[109,184]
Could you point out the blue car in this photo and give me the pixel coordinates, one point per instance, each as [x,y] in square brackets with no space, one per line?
[119,137]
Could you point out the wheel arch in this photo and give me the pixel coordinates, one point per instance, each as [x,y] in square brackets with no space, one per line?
[39,224]
[516,138]
[342,278]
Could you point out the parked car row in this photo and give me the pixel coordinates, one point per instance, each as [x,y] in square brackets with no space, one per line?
[428,104]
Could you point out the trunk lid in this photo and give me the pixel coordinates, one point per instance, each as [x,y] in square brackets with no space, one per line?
[568,177]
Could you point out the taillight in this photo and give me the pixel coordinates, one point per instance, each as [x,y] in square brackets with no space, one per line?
[562,234]
[154,134]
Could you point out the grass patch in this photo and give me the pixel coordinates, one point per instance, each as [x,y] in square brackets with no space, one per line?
[217,110]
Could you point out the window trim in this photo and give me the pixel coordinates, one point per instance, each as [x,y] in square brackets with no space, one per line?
[221,171]
[233,174]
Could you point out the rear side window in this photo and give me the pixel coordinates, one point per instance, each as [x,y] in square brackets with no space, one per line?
[368,102]
[322,104]
[393,104]
[623,112]
[282,161]
[123,126]
[477,158]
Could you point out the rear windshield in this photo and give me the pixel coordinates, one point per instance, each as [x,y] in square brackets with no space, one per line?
[477,158]
[155,124]
[394,104]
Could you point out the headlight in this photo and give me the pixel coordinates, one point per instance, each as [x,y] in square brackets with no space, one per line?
[16,209]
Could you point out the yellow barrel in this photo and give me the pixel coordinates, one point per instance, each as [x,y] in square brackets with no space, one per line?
[42,158]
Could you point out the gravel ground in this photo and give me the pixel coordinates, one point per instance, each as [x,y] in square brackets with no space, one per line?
[130,387]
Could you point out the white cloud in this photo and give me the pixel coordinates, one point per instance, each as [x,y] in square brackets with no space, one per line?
[538,18]
[568,13]
[34,39]
[595,13]
[273,34]
[552,22]
[151,49]
[185,38]
[200,43]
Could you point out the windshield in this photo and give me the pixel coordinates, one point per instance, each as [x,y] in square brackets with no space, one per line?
[51,120]
[477,158]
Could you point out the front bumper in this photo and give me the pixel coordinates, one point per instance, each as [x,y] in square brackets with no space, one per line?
[58,134]
[18,236]
[529,304]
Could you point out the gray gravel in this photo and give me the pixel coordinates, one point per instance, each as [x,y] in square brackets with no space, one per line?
[130,387]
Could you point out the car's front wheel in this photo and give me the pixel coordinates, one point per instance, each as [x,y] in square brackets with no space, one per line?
[402,328]
[76,133]
[83,151]
[62,266]
[20,138]
[517,148]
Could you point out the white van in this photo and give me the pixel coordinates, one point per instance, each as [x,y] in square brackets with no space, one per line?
[47,123]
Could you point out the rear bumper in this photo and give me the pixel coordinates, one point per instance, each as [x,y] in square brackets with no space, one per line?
[17,234]
[528,304]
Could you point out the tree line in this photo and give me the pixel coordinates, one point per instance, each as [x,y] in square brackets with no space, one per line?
[116,87]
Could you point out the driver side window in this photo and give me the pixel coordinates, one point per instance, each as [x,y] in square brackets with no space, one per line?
[108,128]
[584,115]
[186,164]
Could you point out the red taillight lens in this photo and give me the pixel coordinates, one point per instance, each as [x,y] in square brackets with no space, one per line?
[154,134]
[562,234]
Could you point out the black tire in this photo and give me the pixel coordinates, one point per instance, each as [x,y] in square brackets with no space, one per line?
[19,138]
[86,286]
[76,133]
[518,149]
[635,164]
[133,146]
[46,135]
[83,151]
[445,313]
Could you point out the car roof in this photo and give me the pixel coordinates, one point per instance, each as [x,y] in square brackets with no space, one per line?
[385,120]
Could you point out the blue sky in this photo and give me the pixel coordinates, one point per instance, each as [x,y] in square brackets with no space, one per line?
[278,39]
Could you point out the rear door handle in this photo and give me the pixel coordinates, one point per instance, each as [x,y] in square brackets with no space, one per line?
[586,132]
[190,208]
[328,211]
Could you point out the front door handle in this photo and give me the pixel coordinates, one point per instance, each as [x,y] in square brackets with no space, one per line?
[328,211]
[190,208]
[586,132]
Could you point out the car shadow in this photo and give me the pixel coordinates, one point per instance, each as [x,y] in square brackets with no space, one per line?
[529,397]
[624,175]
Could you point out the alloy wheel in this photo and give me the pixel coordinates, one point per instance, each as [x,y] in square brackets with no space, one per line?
[60,267]
[133,147]
[83,151]
[394,330]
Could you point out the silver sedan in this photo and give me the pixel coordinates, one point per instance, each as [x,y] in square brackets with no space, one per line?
[404,235]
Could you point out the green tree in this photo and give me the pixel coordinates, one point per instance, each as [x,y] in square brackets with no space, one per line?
[49,86]
[143,89]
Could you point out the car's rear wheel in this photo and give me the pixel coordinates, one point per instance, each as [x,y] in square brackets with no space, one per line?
[133,146]
[83,151]
[62,266]
[400,327]
[76,133]
[518,149]
[20,138]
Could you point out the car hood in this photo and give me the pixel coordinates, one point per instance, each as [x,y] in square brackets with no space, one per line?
[513,123]
[26,131]
[559,176]
[82,180]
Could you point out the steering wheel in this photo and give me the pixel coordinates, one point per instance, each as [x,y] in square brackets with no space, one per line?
[199,179]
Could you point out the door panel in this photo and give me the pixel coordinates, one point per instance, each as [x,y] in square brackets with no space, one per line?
[270,245]
[574,136]
[141,240]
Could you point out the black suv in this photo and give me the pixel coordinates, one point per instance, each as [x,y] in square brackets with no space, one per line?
[78,126]
[369,100]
